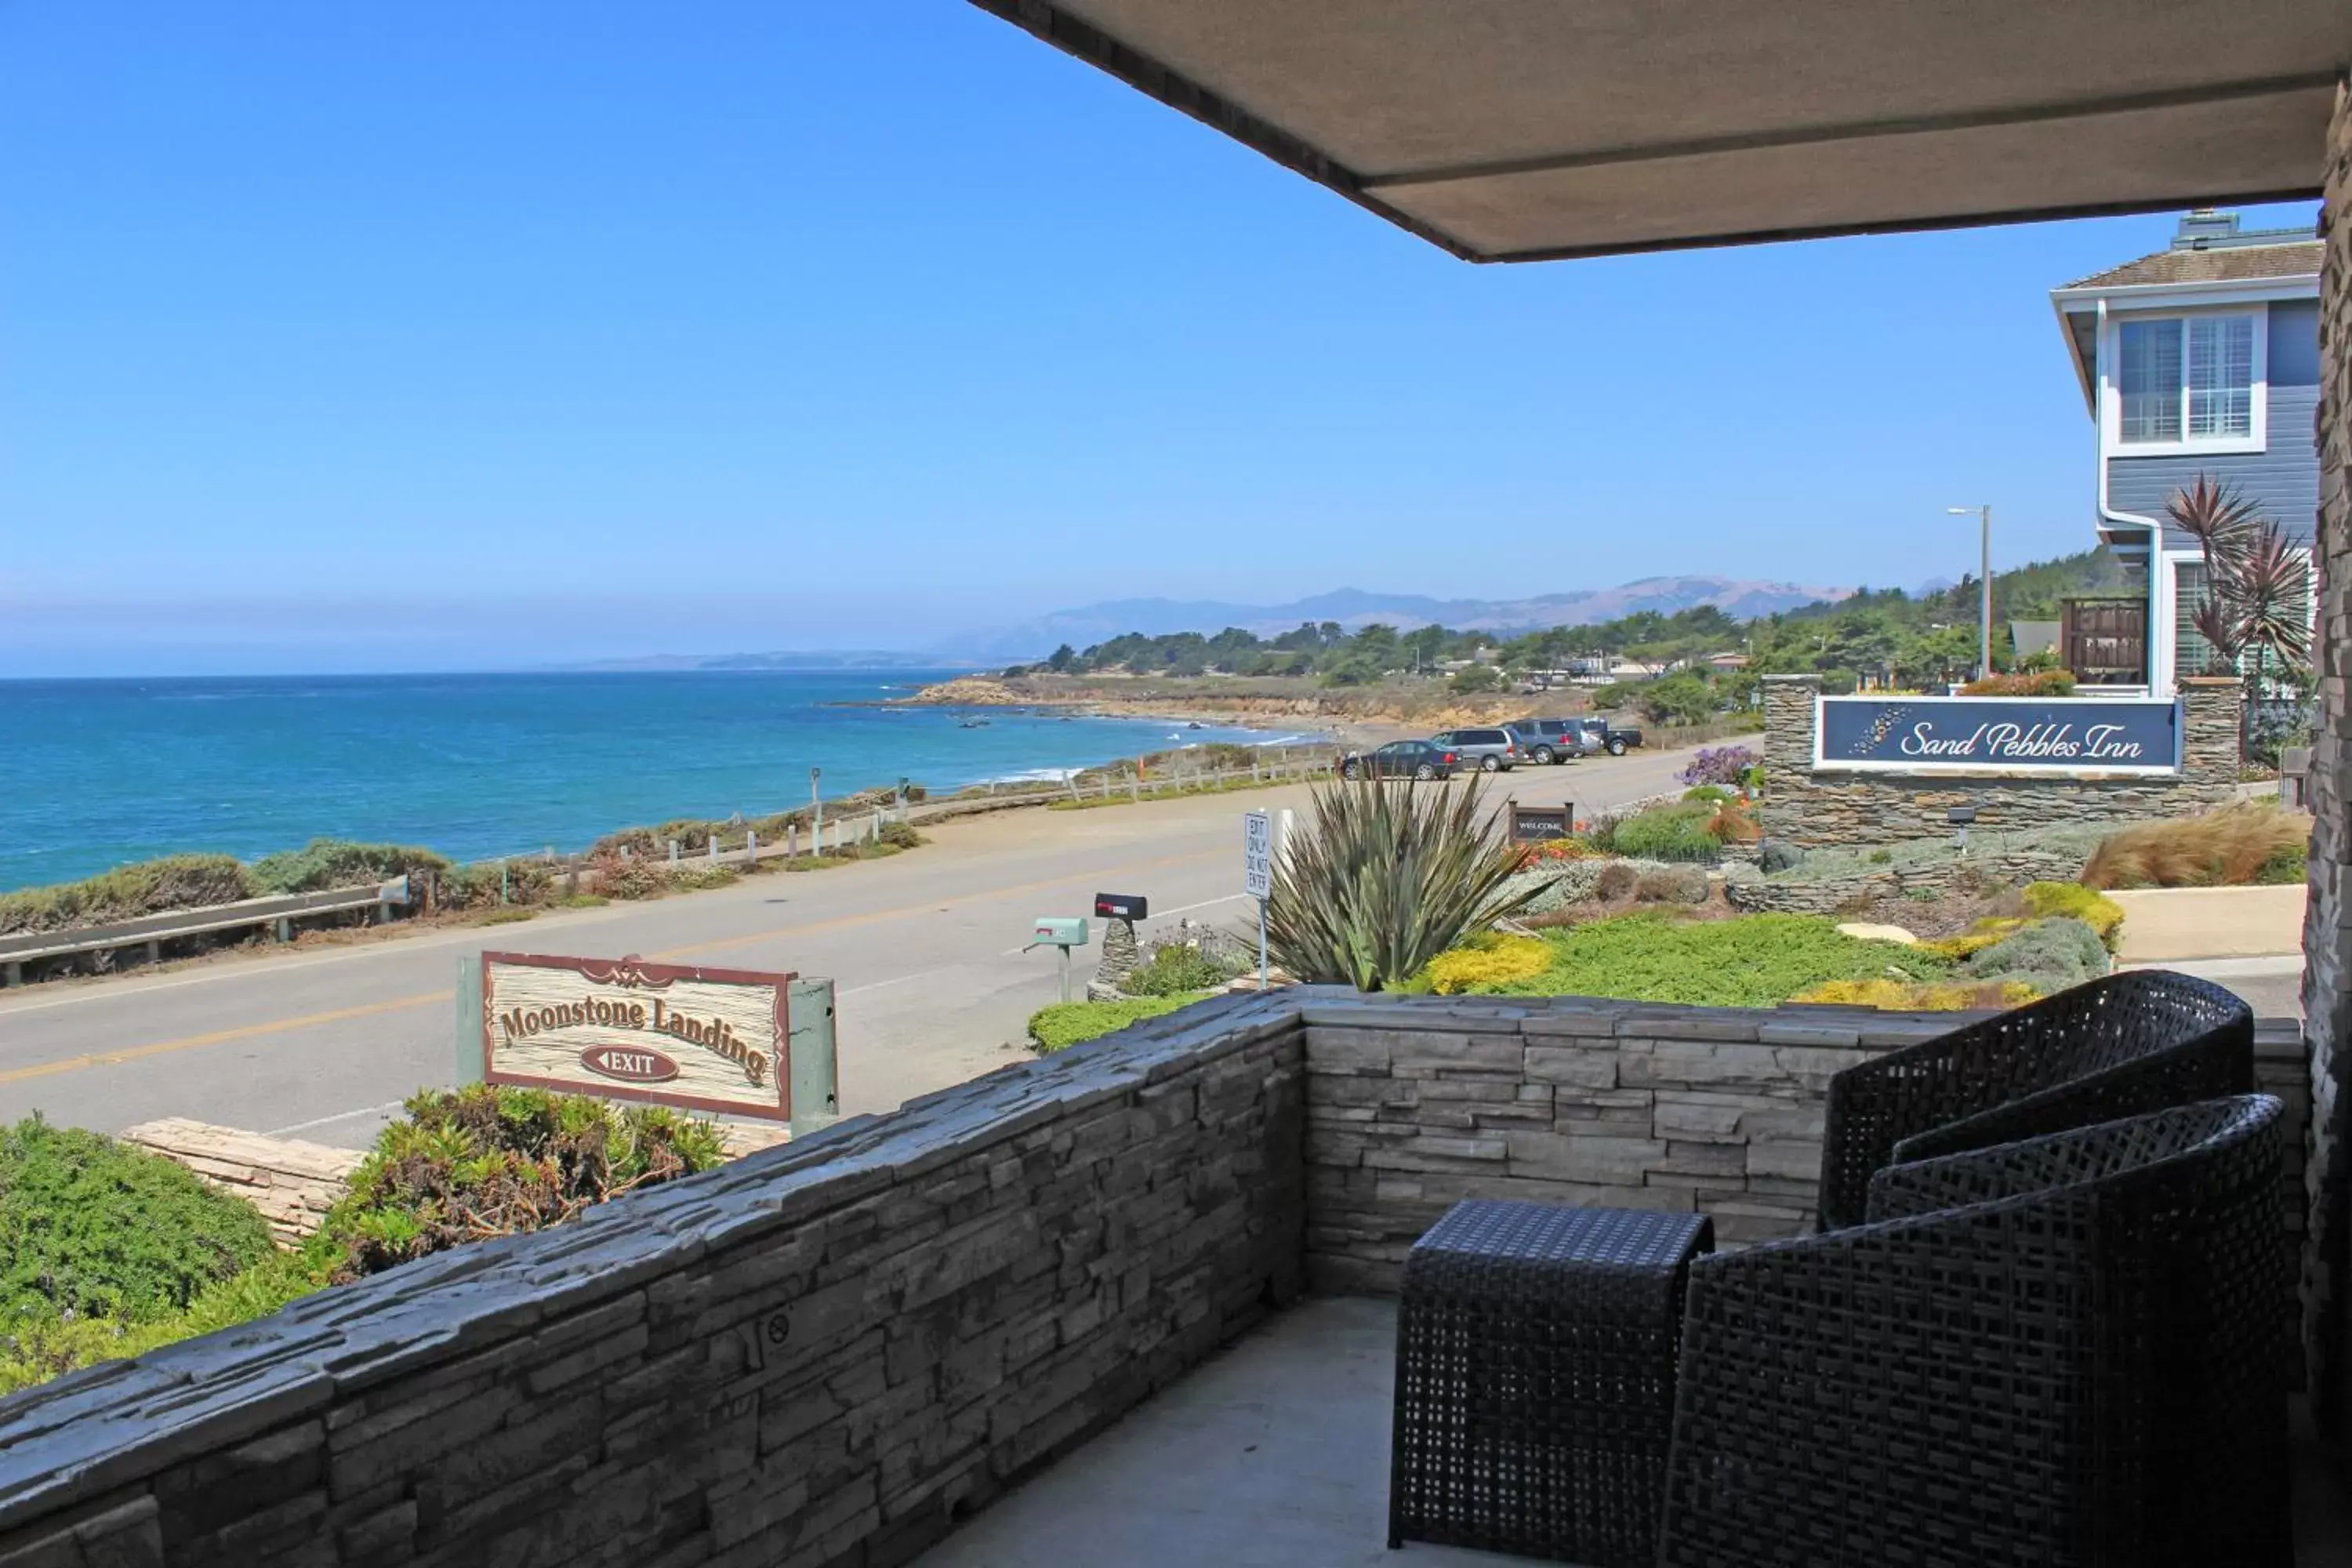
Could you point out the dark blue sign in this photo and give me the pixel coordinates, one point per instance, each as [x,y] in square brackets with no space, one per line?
[1978,735]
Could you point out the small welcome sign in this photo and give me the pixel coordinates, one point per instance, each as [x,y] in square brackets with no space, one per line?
[701,1040]
[2076,735]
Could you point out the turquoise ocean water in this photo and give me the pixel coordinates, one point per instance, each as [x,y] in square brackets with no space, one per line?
[95,773]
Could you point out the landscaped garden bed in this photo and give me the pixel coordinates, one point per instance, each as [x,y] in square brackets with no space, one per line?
[107,1251]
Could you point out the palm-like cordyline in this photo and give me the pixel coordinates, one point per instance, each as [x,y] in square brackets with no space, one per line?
[2217,517]
[1384,878]
[2259,585]
[2274,597]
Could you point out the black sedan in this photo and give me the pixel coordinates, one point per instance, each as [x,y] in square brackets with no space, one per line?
[1402,759]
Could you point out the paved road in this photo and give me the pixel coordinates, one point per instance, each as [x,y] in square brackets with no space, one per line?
[924,948]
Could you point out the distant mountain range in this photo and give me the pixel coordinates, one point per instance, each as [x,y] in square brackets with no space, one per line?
[856,658]
[1352,607]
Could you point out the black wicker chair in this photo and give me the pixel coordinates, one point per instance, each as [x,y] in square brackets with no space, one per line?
[2117,1046]
[2056,1351]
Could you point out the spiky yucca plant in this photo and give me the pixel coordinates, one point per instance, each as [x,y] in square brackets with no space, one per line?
[1386,877]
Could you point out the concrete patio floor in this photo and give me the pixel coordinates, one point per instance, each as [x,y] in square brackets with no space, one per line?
[1276,1454]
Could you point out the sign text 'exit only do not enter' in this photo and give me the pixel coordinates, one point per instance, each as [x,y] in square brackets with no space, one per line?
[711,1040]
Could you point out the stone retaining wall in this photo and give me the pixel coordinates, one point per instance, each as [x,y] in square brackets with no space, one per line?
[1411,1109]
[826,1353]
[1838,809]
[1829,895]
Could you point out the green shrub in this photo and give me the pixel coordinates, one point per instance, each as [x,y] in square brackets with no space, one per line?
[326,862]
[1753,960]
[2289,863]
[2060,947]
[478,1161]
[2102,915]
[35,1350]
[1677,832]
[1708,791]
[93,1228]
[151,887]
[1068,1024]
[901,836]
[1174,970]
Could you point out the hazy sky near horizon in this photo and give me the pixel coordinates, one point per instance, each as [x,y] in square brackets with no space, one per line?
[430,336]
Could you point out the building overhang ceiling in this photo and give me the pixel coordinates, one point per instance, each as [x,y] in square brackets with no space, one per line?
[1526,129]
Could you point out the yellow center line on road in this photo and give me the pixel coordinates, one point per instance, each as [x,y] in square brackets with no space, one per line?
[374,1009]
[219,1037]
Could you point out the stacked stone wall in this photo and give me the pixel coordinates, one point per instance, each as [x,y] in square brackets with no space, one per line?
[1833,809]
[828,1353]
[1716,1110]
[1830,895]
[822,1355]
[2328,918]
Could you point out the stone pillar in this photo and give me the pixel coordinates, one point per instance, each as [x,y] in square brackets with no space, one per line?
[1789,716]
[2212,725]
[2327,923]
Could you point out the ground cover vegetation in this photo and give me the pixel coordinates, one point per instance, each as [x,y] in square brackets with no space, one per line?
[1061,1025]
[489,893]
[111,1252]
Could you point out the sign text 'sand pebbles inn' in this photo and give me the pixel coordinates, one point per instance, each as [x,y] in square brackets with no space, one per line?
[703,1039]
[1988,734]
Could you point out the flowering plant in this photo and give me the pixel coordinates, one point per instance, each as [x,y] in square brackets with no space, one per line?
[1725,765]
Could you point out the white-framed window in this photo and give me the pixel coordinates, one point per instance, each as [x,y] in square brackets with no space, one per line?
[2190,383]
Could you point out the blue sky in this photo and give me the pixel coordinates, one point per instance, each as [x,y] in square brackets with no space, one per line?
[430,336]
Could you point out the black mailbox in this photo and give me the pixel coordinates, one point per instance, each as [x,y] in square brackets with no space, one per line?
[1121,906]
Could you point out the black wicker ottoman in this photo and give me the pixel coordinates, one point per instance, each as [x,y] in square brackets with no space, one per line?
[1535,1380]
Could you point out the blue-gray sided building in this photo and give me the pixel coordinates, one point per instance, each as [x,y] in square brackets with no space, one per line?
[2200,358]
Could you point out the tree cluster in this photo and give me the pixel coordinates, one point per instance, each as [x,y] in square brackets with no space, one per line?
[1877,636]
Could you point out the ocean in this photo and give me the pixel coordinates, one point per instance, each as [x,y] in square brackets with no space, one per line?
[96,773]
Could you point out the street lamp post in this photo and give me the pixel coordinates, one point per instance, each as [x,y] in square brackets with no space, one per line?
[1983,514]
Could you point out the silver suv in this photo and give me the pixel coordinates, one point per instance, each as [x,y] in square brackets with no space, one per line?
[1489,750]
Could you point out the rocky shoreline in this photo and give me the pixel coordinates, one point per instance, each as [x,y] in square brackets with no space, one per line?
[1352,716]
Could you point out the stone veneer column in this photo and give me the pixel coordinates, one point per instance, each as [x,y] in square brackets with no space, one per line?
[2327,923]
[2212,728]
[1789,714]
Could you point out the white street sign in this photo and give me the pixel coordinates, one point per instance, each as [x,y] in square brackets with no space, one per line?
[1258,854]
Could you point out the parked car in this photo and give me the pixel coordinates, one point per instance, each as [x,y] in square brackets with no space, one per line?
[1602,736]
[1402,759]
[1489,750]
[1551,739]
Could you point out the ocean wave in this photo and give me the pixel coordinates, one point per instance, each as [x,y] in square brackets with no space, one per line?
[1035,776]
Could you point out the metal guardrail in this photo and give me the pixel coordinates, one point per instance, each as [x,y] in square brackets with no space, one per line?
[153,931]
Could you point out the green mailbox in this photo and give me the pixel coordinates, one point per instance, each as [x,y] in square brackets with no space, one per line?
[1060,932]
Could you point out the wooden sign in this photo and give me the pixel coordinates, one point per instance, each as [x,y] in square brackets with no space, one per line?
[702,1039]
[1541,824]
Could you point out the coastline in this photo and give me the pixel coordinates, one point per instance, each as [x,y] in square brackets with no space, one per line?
[484,767]
[1353,717]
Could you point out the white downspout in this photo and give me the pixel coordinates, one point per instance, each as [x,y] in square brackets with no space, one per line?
[2159,670]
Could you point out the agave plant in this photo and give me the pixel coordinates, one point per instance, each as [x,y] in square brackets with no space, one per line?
[1384,878]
